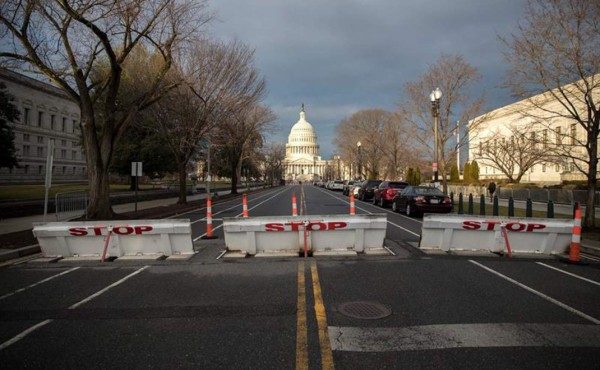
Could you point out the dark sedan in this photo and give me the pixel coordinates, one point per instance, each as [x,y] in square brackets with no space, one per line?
[367,189]
[416,200]
[386,192]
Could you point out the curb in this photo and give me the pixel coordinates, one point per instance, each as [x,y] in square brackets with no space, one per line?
[9,254]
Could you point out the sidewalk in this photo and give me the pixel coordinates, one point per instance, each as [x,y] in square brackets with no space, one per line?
[11,225]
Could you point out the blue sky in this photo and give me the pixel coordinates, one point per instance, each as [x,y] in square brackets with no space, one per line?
[341,56]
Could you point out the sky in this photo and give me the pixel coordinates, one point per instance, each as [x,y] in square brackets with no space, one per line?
[341,56]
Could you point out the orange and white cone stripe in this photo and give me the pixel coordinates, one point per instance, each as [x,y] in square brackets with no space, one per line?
[294,207]
[352,209]
[576,238]
[245,203]
[209,218]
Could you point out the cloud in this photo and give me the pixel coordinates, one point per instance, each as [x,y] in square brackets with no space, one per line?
[340,56]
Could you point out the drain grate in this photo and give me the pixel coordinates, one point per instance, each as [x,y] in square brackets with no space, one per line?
[364,310]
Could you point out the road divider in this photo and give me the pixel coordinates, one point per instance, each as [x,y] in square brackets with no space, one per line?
[323,233]
[523,235]
[127,238]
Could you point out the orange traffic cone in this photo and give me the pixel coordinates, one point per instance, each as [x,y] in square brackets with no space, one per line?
[294,207]
[576,238]
[352,210]
[209,230]
[245,203]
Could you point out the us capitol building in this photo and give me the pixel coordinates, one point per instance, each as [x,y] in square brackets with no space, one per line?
[302,160]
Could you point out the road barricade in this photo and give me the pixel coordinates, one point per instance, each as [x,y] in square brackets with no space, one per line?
[525,235]
[128,238]
[287,233]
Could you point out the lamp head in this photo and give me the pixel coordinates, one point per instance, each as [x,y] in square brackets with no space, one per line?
[358,144]
[437,93]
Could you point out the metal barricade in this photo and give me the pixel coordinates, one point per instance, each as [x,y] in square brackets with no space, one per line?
[70,205]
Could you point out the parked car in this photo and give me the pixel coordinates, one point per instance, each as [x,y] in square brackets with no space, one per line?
[352,186]
[337,185]
[414,200]
[386,191]
[367,189]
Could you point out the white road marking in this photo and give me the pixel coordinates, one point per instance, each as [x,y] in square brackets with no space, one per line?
[38,283]
[384,210]
[238,215]
[568,273]
[430,337]
[24,333]
[542,295]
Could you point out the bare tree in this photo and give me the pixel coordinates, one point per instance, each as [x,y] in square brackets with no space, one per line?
[515,151]
[454,76]
[369,127]
[555,53]
[240,134]
[274,156]
[219,80]
[69,42]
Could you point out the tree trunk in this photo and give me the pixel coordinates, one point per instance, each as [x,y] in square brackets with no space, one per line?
[99,207]
[235,163]
[182,183]
[592,182]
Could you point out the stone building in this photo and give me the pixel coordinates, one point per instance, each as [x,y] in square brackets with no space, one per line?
[302,160]
[47,114]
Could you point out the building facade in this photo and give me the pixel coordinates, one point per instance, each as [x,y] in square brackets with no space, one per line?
[46,114]
[302,160]
[542,122]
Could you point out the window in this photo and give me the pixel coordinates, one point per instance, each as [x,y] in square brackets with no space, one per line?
[64,170]
[63,155]
[73,156]
[63,142]
[533,138]
[74,125]
[26,168]
[40,139]
[558,136]
[53,122]
[572,165]
[40,119]
[26,116]
[573,133]
[556,168]
[26,150]
[26,137]
[64,124]
[40,167]
[532,169]
[74,169]
[40,152]
[543,167]
[545,139]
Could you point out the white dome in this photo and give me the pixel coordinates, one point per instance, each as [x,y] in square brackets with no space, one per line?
[302,131]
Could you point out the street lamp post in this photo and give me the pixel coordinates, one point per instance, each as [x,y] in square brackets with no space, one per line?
[435,97]
[358,144]
[338,167]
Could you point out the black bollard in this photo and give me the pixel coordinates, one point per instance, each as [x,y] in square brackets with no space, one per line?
[528,208]
[495,209]
[452,197]
[482,205]
[511,207]
[470,211]
[550,209]
[460,204]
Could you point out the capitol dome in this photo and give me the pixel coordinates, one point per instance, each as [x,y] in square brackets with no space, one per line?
[302,141]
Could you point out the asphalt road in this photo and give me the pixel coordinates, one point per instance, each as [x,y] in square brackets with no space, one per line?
[408,310]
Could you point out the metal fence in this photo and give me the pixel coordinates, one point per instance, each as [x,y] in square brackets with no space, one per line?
[561,196]
[71,204]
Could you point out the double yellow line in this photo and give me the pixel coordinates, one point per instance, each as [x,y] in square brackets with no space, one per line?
[301,324]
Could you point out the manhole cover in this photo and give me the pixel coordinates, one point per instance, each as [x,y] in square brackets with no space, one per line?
[364,310]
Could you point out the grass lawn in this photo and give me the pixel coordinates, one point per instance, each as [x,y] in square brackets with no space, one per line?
[25,192]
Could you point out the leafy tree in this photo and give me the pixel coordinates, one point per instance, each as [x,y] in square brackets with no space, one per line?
[467,178]
[474,171]
[454,175]
[418,176]
[554,52]
[8,113]
[410,175]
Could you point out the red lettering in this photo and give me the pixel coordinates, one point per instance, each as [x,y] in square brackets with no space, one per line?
[320,226]
[118,230]
[492,225]
[337,225]
[274,227]
[98,229]
[78,231]
[295,225]
[519,227]
[471,225]
[532,227]
[141,229]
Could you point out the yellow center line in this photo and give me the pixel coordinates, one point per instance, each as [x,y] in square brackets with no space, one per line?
[301,328]
[326,352]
